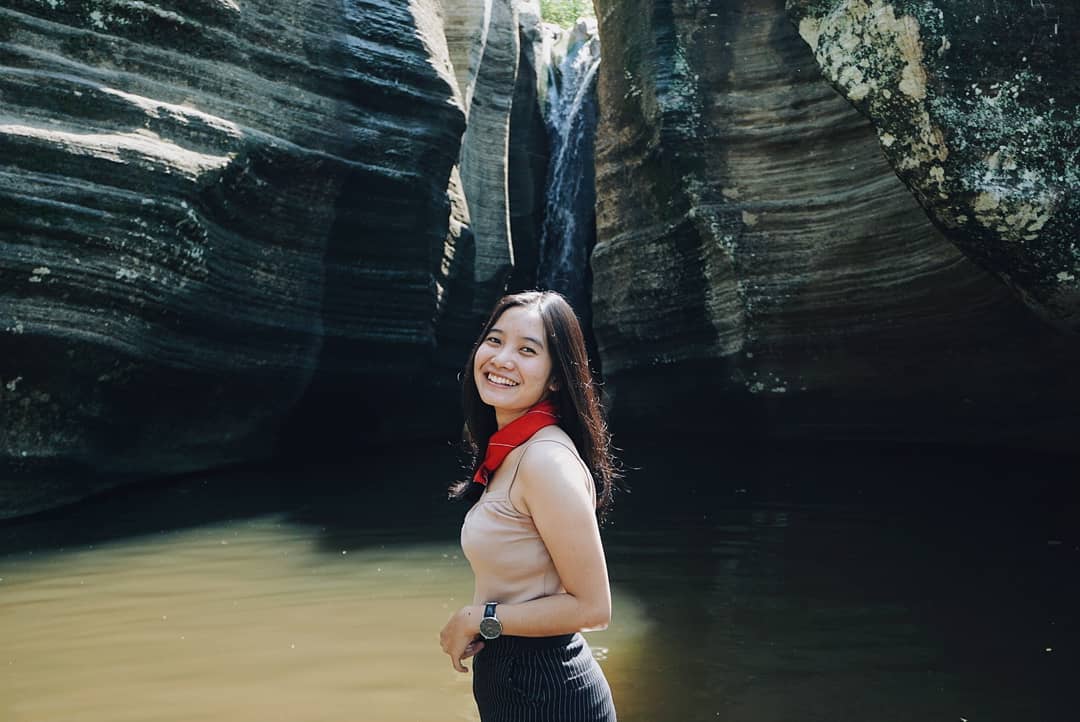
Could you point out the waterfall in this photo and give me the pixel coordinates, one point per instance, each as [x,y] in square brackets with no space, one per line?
[569,227]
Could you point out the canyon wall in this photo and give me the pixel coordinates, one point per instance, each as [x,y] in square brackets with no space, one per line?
[975,107]
[762,269]
[230,227]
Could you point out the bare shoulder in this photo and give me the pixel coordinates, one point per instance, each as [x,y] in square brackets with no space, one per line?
[550,449]
[552,466]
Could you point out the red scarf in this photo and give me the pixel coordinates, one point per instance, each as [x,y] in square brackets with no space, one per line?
[509,437]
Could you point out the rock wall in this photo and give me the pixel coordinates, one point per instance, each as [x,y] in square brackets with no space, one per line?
[976,105]
[493,55]
[228,224]
[760,267]
[205,206]
[529,146]
[503,153]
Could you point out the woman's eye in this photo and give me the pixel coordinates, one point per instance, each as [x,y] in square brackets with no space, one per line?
[492,339]
[528,349]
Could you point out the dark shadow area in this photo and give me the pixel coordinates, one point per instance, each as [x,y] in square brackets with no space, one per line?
[390,490]
[844,581]
[805,473]
[402,489]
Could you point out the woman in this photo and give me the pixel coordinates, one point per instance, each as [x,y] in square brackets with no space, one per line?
[542,473]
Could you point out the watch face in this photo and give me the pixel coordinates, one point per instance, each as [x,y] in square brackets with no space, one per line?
[490,627]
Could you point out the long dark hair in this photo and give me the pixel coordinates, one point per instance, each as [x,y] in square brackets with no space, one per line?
[580,413]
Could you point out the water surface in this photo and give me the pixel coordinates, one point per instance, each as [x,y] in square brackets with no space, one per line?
[781,584]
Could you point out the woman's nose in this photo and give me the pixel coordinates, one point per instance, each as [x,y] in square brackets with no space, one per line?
[504,358]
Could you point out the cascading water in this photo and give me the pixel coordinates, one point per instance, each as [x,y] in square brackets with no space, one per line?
[569,227]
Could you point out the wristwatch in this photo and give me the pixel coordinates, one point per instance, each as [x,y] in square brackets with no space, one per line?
[490,626]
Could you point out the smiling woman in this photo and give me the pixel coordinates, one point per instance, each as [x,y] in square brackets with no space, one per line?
[512,366]
[531,536]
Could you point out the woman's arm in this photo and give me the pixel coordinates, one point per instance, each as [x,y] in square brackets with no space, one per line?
[557,494]
[555,491]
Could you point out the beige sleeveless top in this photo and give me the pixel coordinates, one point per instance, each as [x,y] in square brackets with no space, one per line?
[504,549]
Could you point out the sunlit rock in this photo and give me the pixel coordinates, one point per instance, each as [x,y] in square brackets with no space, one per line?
[484,44]
[490,49]
[527,162]
[975,105]
[761,269]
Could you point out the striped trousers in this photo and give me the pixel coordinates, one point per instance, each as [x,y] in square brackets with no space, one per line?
[540,679]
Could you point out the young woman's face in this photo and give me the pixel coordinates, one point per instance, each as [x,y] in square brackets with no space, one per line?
[512,368]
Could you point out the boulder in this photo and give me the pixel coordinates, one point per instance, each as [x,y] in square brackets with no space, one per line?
[975,106]
[760,269]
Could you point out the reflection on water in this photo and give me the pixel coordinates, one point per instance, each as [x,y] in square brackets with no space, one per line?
[763,591]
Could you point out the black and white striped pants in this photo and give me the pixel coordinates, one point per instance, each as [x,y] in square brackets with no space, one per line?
[540,679]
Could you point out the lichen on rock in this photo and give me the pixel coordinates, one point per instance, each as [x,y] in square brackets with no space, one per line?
[976,108]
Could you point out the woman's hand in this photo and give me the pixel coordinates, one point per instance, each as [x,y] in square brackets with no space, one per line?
[460,638]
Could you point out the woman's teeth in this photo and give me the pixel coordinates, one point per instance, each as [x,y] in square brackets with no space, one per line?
[500,380]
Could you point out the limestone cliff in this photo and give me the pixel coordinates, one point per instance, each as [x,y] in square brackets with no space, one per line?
[976,105]
[496,189]
[233,228]
[228,227]
[203,206]
[758,256]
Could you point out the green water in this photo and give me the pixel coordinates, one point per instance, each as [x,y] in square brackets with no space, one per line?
[781,585]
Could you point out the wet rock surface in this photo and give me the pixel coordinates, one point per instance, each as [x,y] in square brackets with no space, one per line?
[976,105]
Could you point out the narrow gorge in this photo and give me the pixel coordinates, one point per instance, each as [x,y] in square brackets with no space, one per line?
[232,230]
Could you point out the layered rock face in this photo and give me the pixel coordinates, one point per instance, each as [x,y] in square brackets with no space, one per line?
[529,148]
[486,48]
[385,391]
[977,107]
[226,223]
[202,206]
[496,189]
[758,257]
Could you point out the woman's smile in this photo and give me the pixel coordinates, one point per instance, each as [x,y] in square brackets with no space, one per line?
[498,380]
[512,368]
